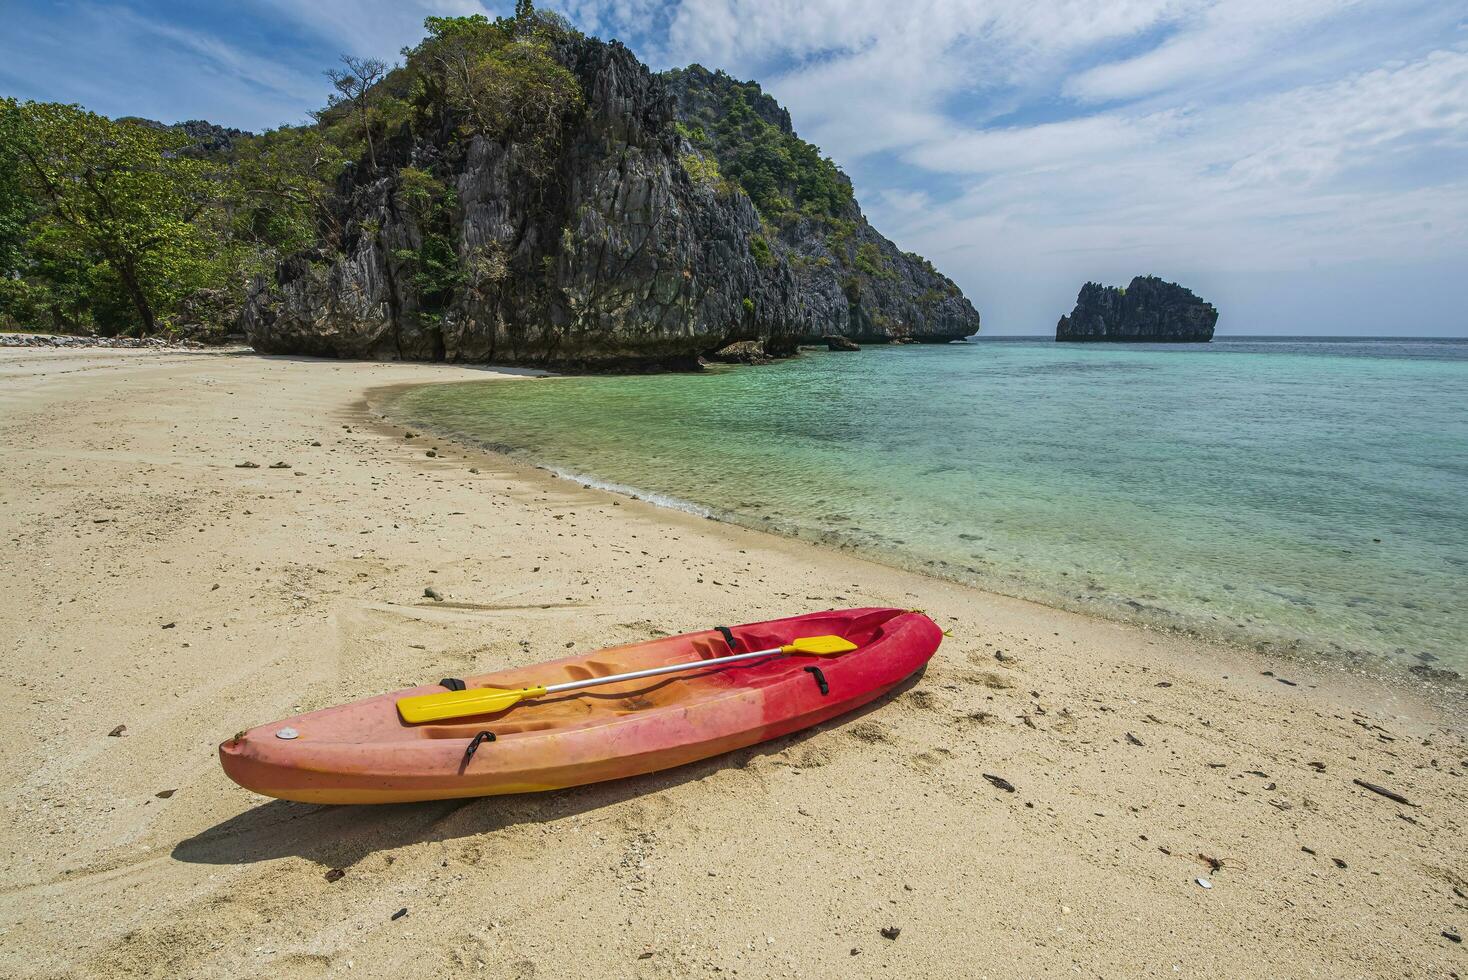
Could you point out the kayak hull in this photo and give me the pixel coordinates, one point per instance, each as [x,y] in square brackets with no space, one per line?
[364,753]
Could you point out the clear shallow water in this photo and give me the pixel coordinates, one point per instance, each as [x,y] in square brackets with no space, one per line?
[1236,489]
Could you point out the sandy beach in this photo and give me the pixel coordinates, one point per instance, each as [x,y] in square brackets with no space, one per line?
[156,597]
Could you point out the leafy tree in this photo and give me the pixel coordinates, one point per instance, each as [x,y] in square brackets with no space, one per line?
[281,189]
[356,89]
[16,206]
[118,203]
[497,79]
[434,265]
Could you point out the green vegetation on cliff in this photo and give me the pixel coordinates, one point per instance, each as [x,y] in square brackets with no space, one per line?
[114,226]
[461,203]
[784,176]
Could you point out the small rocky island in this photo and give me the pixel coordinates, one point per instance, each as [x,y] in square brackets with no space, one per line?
[1147,311]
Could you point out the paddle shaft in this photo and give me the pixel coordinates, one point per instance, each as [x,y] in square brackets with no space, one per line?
[655,671]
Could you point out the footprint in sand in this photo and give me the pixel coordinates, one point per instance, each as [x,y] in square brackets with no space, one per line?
[871,732]
[987,678]
[930,760]
[923,700]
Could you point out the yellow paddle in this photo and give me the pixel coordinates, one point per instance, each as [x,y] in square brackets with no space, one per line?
[487,700]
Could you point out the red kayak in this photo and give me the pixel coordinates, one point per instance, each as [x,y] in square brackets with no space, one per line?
[364,752]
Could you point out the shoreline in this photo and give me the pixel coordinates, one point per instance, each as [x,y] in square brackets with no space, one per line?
[152,583]
[1444,699]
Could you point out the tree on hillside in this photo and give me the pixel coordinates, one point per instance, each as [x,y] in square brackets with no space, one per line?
[115,202]
[498,79]
[281,190]
[15,204]
[356,89]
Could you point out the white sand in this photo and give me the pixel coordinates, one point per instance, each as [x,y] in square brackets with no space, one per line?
[122,511]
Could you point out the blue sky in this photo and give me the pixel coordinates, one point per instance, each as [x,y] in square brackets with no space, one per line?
[1301,163]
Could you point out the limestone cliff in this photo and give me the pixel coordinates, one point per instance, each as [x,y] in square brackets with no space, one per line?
[1147,311]
[850,280]
[606,238]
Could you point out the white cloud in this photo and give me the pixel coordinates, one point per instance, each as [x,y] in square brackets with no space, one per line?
[1216,39]
[1024,145]
[376,28]
[117,61]
[1027,146]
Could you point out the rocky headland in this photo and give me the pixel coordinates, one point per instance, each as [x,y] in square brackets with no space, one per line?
[631,219]
[1149,310]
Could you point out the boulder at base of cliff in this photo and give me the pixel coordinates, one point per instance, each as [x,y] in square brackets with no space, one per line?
[208,316]
[838,342]
[741,352]
[1147,311]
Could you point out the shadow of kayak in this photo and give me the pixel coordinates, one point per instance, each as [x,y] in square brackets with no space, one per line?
[336,836]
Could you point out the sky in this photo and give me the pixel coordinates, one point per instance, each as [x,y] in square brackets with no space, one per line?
[1302,164]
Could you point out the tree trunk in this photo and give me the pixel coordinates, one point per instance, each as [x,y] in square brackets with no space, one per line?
[367,131]
[127,272]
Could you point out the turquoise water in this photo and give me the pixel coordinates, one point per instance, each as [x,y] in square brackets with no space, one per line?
[1307,496]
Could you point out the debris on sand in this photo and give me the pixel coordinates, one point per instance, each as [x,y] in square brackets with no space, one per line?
[1392,795]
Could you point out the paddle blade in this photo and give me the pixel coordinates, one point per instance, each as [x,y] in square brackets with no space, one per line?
[462,704]
[819,646]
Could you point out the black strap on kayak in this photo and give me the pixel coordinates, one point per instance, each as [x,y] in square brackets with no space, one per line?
[728,638]
[475,743]
[820,680]
[452,683]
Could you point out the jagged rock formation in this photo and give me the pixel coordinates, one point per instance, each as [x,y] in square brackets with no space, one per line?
[851,281]
[1147,311]
[208,139]
[613,244]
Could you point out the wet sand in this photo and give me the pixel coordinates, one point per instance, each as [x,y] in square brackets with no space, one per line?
[151,583]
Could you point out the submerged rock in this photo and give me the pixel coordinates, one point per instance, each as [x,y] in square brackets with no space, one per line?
[1147,311]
